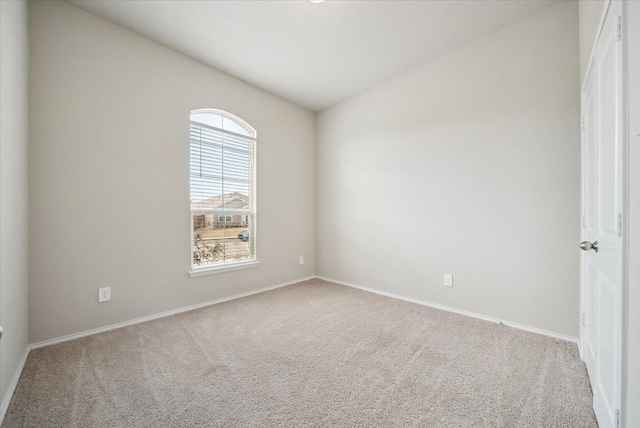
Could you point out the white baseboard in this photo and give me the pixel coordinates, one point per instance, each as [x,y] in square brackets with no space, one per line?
[13,384]
[458,311]
[159,315]
[579,349]
[273,287]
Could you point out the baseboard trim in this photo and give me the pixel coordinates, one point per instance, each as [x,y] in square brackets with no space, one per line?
[110,327]
[579,349]
[14,383]
[458,311]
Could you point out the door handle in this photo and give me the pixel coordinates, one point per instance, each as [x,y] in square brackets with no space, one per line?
[586,246]
[0,332]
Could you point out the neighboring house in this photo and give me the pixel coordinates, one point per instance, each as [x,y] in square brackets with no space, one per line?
[232,201]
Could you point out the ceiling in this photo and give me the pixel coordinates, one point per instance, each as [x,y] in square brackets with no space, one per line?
[314,55]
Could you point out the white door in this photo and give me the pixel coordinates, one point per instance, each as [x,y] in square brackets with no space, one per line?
[602,187]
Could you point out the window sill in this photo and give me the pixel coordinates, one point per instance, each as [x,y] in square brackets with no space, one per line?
[226,268]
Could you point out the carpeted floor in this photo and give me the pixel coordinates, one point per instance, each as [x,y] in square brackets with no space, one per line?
[311,354]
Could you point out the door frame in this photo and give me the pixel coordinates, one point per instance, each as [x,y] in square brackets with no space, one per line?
[625,205]
[630,416]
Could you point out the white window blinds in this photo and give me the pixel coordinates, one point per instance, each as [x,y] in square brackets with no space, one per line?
[222,169]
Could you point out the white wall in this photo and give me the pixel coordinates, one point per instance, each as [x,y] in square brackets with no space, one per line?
[468,165]
[631,416]
[109,177]
[590,13]
[14,214]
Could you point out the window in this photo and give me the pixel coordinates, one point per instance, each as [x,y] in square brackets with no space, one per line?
[223,209]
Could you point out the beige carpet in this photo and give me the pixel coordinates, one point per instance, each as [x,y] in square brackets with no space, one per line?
[311,354]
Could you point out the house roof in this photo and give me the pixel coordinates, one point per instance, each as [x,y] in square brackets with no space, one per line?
[233,200]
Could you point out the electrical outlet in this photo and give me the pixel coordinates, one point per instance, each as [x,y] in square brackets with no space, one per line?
[104,294]
[301,260]
[448,280]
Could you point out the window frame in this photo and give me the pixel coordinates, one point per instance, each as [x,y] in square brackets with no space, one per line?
[197,270]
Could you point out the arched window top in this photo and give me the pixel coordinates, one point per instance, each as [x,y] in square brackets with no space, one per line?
[222,120]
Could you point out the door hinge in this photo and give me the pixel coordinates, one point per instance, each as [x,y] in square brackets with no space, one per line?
[584,319]
[619,28]
[582,122]
[619,225]
[617,417]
